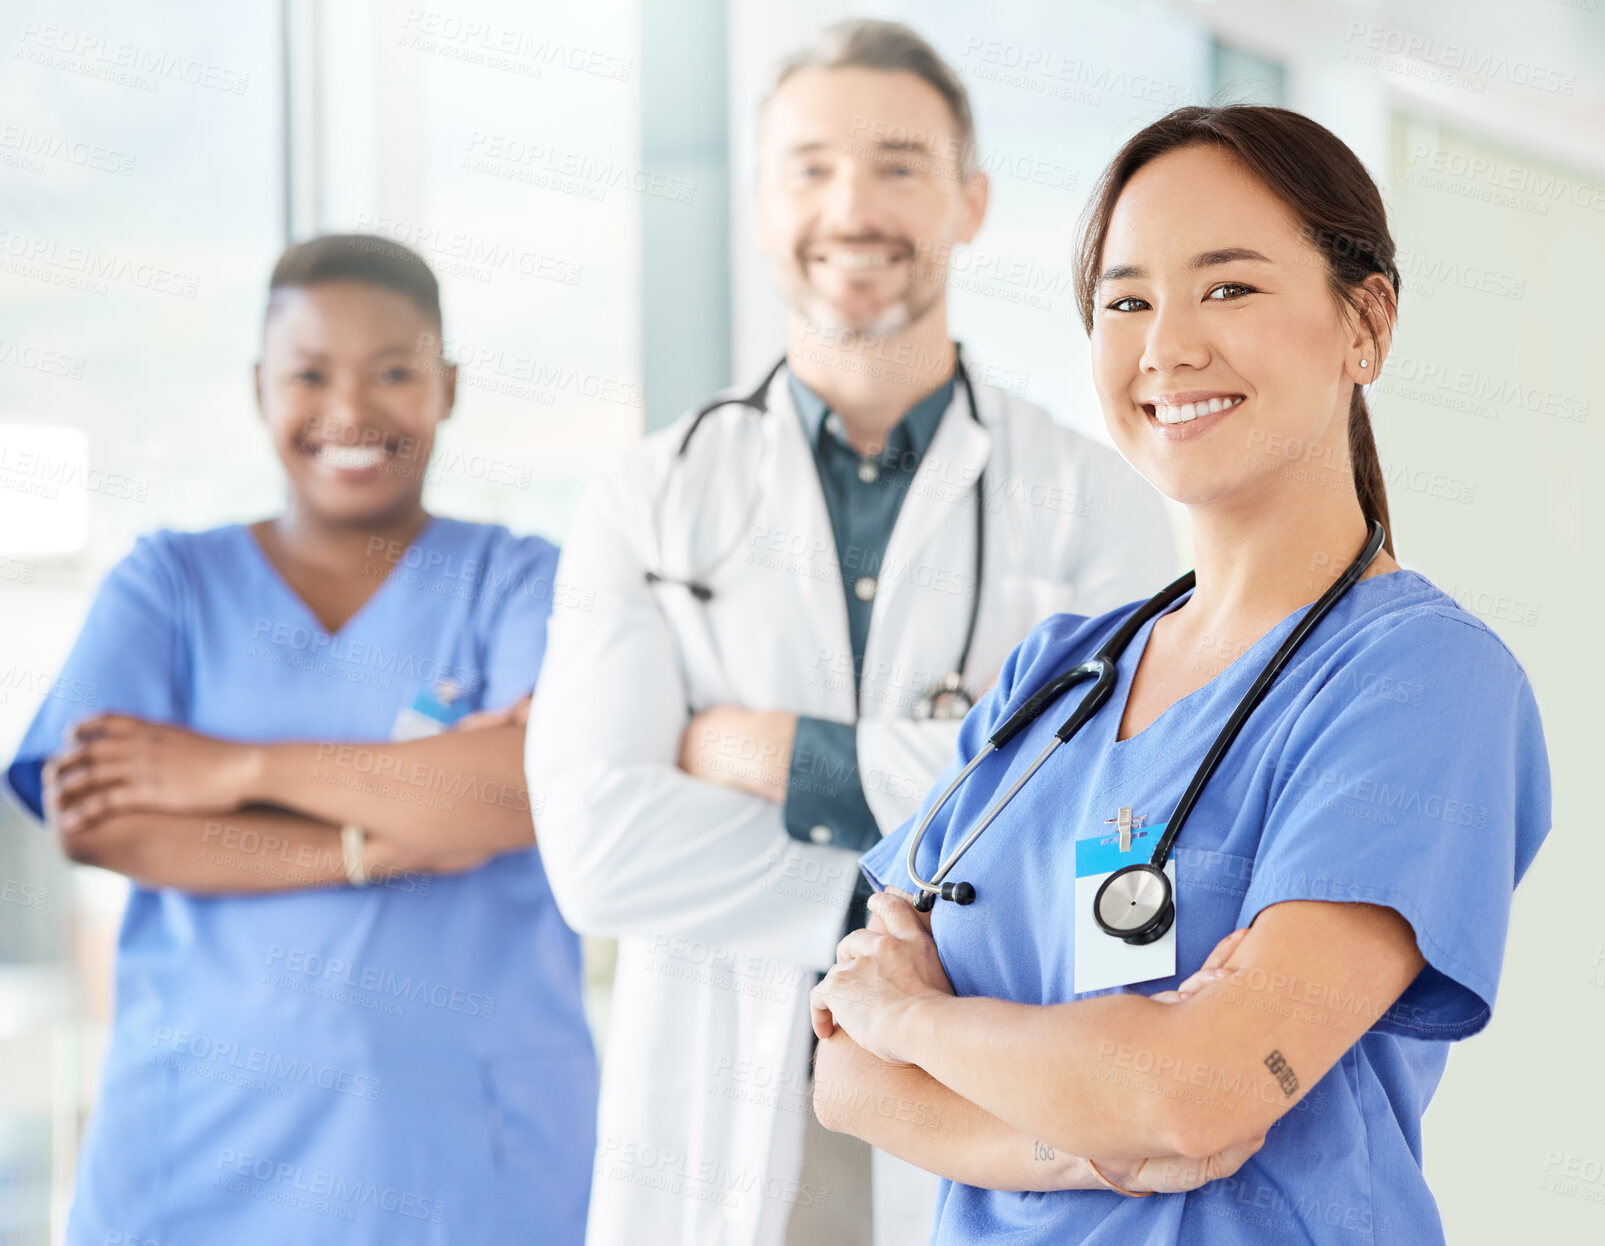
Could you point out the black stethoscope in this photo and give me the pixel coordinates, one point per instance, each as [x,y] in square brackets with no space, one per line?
[947,698]
[1135,902]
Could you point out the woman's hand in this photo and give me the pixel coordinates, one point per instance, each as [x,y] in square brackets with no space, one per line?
[514,715]
[114,763]
[879,973]
[1211,971]
[1176,1174]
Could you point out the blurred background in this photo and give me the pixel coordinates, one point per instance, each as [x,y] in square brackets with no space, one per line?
[580,176]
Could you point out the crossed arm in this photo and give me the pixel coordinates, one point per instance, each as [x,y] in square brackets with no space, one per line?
[1195,1076]
[170,807]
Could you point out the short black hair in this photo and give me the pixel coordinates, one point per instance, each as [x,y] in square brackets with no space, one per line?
[367,258]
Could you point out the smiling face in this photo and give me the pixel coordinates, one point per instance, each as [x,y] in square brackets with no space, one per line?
[352,385]
[862,196]
[1223,363]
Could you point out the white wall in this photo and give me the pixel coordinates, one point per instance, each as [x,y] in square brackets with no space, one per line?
[504,142]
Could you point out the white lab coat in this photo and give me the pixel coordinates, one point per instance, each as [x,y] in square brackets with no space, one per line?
[722,917]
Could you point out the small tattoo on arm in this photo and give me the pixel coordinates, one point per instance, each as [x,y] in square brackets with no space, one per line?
[1041,1151]
[1285,1076]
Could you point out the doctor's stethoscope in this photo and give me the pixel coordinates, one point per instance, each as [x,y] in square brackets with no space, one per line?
[945,699]
[1135,902]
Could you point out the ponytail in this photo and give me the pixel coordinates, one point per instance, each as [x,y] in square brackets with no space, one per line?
[1368,482]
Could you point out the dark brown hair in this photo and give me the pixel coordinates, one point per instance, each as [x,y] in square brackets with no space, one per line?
[367,258]
[1336,204]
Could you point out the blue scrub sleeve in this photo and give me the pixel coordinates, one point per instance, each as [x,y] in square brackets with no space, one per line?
[513,625]
[1416,778]
[130,658]
[823,787]
[885,864]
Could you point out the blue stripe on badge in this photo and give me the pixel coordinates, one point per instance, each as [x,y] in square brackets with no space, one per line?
[431,707]
[1101,854]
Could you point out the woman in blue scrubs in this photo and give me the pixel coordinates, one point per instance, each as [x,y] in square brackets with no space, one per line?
[1343,885]
[347,1008]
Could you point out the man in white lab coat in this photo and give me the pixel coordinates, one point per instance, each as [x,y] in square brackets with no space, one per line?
[793,595]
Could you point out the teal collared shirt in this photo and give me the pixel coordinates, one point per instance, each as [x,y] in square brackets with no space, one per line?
[863,494]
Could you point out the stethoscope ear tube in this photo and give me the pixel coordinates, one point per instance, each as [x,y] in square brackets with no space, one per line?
[1262,683]
[931,888]
[958,893]
[1044,696]
[1101,669]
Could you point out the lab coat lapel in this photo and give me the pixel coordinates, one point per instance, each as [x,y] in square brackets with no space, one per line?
[924,592]
[779,615]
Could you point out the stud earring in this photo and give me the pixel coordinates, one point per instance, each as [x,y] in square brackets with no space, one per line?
[1365,363]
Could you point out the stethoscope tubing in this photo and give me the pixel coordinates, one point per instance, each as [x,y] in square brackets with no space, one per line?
[757,402]
[1102,668]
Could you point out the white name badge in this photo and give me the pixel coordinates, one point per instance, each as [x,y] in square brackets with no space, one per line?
[1102,960]
[428,713]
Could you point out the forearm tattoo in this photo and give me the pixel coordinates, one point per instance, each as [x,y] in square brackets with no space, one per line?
[1285,1077]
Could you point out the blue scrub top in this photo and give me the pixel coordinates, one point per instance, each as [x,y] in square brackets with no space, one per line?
[403,1063]
[1399,760]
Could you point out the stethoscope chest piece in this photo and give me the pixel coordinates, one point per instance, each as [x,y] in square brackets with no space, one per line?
[947,700]
[1135,904]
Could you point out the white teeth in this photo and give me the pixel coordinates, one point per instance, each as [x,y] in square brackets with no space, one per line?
[350,458]
[1165,413]
[855,259]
